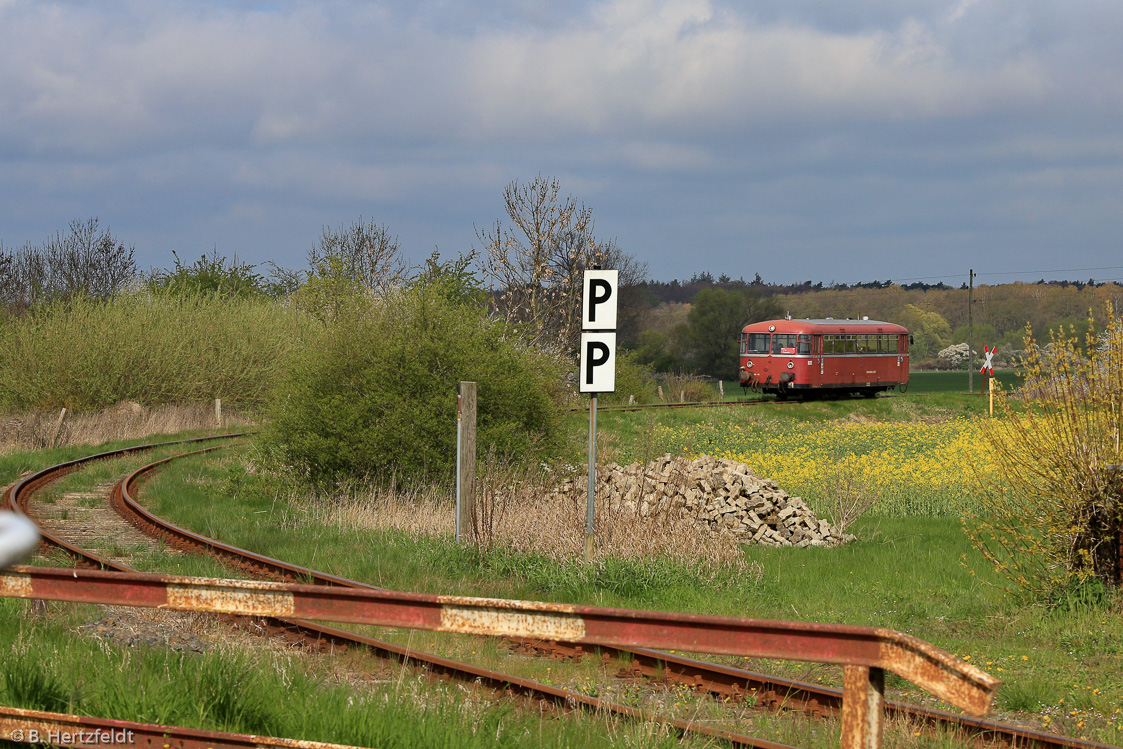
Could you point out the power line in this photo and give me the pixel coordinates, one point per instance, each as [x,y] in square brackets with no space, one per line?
[1015,273]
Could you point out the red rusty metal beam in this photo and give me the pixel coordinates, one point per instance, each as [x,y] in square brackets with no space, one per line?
[935,670]
[58,729]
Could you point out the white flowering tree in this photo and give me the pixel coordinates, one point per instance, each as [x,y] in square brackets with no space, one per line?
[956,356]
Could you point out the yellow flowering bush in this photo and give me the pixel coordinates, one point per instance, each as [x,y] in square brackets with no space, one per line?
[1052,515]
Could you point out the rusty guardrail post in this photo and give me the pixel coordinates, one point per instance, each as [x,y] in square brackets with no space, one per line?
[863,700]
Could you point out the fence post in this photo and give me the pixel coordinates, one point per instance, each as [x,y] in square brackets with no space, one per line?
[863,696]
[218,412]
[466,460]
[58,428]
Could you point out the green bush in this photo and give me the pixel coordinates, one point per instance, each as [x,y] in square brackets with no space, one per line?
[375,393]
[151,348]
[633,378]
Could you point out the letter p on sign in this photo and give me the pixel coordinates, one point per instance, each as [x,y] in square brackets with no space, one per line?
[599,300]
[598,362]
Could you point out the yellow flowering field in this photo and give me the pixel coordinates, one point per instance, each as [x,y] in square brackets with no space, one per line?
[915,468]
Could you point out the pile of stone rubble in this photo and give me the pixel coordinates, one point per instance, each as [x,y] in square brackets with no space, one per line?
[716,493]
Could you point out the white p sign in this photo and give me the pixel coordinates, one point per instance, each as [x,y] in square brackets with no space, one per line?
[598,362]
[599,300]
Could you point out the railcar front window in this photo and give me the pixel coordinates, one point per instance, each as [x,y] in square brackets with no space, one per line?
[783,343]
[757,343]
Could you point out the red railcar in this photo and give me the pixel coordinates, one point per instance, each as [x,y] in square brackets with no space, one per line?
[808,357]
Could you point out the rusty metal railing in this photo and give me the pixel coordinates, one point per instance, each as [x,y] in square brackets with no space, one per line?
[864,652]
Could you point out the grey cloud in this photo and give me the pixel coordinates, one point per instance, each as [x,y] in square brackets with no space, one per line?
[793,125]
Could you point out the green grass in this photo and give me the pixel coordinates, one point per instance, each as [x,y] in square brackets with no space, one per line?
[956,382]
[229,689]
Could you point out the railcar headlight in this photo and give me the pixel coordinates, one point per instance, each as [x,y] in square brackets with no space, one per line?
[749,364]
[791,364]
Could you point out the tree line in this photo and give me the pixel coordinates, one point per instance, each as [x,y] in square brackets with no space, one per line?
[526,268]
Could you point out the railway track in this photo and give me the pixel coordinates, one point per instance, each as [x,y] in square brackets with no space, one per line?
[317,636]
[714,404]
[721,681]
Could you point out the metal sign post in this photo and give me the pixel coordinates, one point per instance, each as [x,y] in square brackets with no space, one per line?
[598,368]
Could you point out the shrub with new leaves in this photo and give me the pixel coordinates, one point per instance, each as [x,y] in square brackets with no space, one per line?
[374,396]
[1050,517]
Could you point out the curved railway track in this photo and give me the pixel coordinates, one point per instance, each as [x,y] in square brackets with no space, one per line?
[722,681]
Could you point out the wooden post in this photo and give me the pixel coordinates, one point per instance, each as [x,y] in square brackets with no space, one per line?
[58,428]
[721,388]
[863,695]
[466,460]
[682,396]
[660,393]
[971,332]
[631,399]
[218,412]
[991,387]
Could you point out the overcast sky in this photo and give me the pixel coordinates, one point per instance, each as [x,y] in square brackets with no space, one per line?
[798,139]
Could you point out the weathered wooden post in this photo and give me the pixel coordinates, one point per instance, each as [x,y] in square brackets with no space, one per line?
[58,428]
[218,412]
[465,459]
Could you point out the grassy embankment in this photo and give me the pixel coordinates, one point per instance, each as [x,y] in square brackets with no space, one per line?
[911,569]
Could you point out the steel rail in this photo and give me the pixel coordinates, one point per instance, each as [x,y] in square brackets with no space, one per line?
[711,404]
[699,404]
[16,495]
[769,691]
[58,729]
[321,636]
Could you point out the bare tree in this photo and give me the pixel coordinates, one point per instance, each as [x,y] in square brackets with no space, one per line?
[86,260]
[363,252]
[537,261]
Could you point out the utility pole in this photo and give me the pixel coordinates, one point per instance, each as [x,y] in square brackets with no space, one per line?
[971,330]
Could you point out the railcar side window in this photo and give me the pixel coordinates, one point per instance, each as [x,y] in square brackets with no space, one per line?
[804,344]
[756,343]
